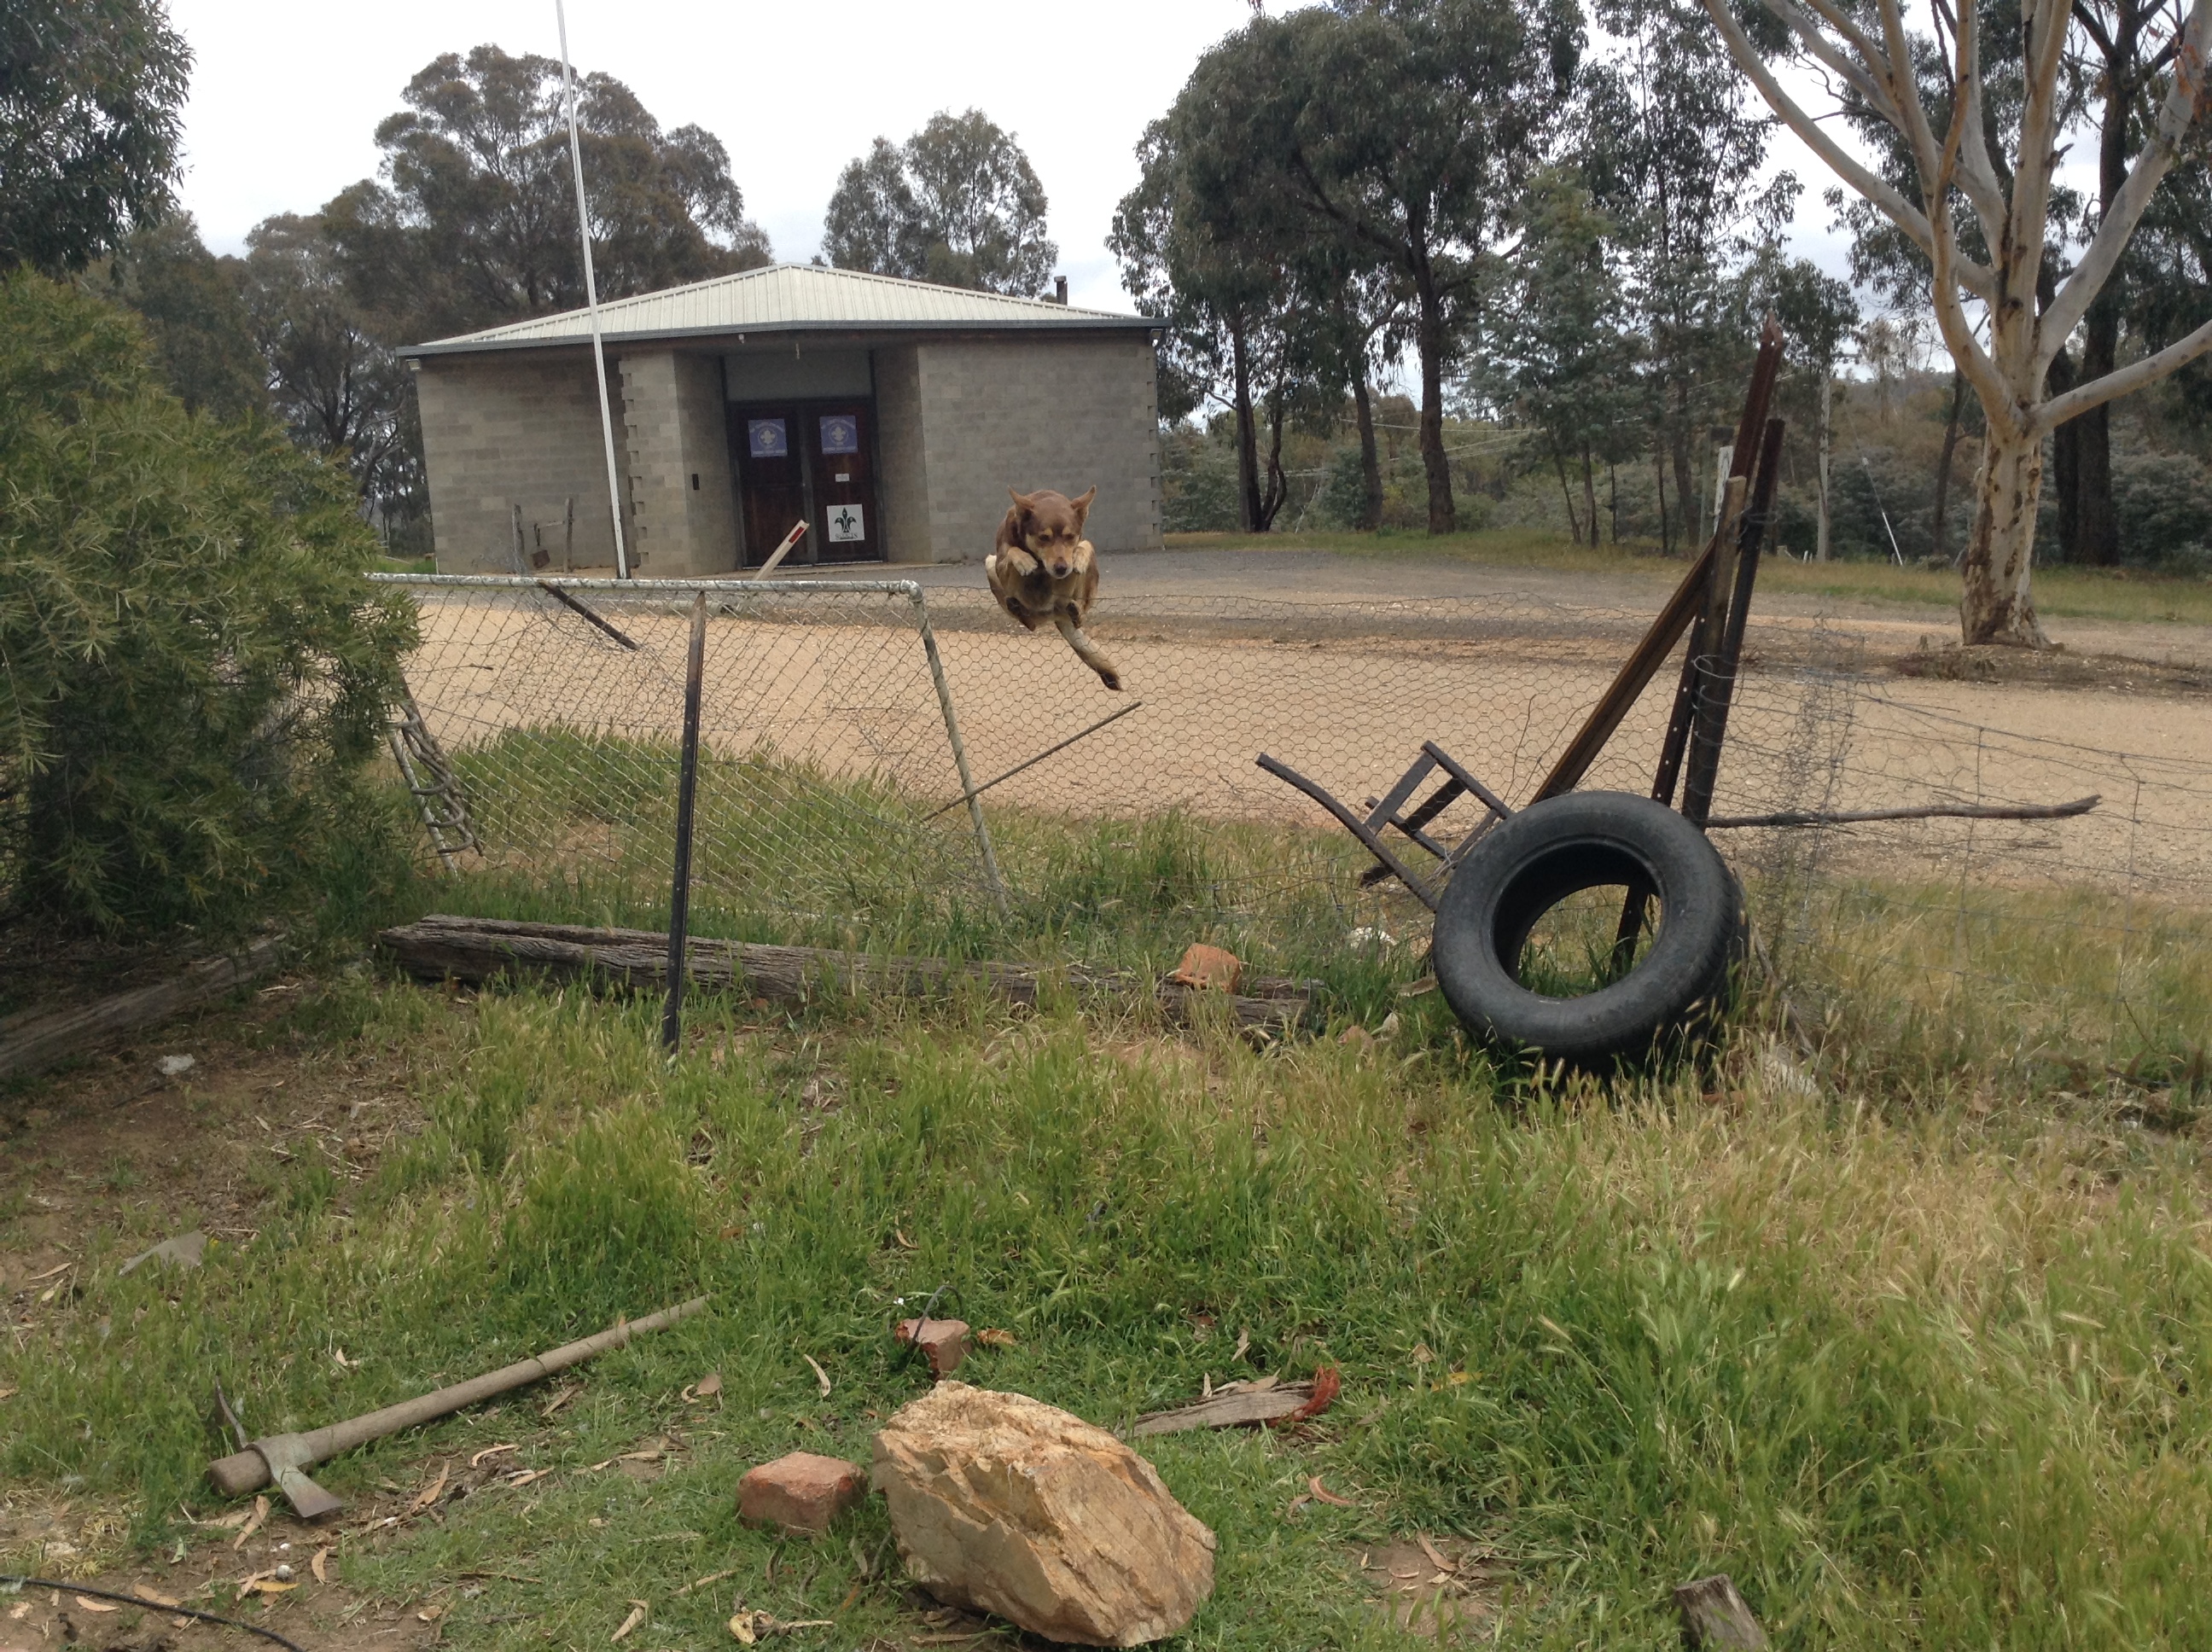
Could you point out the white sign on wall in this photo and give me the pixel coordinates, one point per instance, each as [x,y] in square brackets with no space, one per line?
[848,526]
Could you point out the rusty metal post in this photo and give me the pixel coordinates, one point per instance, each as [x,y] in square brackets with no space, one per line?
[1717,689]
[687,788]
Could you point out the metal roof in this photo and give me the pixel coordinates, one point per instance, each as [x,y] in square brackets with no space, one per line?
[788,298]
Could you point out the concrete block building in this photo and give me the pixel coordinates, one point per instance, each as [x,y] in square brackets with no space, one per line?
[891,415]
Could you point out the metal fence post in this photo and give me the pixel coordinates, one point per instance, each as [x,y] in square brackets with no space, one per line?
[959,753]
[687,789]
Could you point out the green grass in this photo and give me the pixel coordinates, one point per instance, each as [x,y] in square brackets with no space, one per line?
[1913,1385]
[2062,592]
[584,831]
[1914,1345]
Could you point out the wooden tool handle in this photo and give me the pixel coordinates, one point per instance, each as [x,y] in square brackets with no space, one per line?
[248,1470]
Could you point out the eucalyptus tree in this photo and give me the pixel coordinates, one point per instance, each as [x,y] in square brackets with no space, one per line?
[958,203]
[1672,149]
[334,381]
[2003,310]
[1409,127]
[474,219]
[192,304]
[1225,288]
[1564,362]
[92,95]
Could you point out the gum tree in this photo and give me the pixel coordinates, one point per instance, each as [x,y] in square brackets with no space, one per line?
[1979,207]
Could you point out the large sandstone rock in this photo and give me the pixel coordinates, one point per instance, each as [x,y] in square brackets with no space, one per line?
[1007,1505]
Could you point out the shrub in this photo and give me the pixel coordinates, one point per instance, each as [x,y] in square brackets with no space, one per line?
[2164,502]
[1198,483]
[193,670]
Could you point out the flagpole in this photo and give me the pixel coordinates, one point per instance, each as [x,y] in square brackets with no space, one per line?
[591,294]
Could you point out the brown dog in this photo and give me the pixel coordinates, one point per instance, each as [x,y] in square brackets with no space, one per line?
[1043,569]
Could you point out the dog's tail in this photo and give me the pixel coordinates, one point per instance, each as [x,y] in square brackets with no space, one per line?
[1087,651]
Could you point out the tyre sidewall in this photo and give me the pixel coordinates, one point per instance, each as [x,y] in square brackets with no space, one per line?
[1548,850]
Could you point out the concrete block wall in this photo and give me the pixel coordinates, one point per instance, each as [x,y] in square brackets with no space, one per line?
[1065,414]
[902,459]
[681,497]
[513,429]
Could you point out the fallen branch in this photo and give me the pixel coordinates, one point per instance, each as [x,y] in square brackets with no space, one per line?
[39,1038]
[1928,811]
[472,950]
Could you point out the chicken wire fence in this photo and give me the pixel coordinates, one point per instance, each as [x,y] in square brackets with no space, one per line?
[891,768]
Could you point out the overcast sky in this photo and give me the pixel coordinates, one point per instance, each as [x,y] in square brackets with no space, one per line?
[286,97]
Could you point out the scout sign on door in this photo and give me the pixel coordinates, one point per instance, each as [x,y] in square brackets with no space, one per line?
[844,489]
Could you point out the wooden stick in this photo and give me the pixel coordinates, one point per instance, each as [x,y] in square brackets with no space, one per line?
[1928,811]
[33,1039]
[247,1471]
[440,948]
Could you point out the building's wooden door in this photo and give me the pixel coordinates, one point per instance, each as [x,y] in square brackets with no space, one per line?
[767,445]
[844,484]
[810,462]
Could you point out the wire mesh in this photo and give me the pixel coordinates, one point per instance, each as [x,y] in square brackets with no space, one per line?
[835,795]
[556,707]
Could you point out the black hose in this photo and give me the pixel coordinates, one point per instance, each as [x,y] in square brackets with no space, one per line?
[10,1583]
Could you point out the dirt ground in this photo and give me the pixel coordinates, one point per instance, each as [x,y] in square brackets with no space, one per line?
[1836,712]
[112,1155]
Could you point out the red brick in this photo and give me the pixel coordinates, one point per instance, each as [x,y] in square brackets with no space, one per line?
[944,1341]
[801,1491]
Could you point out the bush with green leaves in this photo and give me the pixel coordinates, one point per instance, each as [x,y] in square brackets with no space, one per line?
[191,669]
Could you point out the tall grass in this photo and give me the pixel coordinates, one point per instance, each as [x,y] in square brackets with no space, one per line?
[579,827]
[1910,1390]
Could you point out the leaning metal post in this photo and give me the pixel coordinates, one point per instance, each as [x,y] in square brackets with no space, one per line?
[959,753]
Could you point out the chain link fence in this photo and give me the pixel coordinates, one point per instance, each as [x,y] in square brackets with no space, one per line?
[884,769]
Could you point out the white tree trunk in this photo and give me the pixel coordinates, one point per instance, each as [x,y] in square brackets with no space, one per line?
[1995,606]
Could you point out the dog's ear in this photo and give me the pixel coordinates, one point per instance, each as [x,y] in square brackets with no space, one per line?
[1082,505]
[1022,502]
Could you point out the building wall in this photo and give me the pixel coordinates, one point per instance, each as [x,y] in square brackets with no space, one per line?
[956,424]
[902,460]
[1065,414]
[680,492]
[515,430]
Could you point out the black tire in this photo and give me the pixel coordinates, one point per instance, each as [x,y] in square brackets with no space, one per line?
[1536,859]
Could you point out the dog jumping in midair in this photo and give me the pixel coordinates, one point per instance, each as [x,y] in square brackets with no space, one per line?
[1043,569]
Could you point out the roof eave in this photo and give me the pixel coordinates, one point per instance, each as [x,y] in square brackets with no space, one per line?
[1092,323]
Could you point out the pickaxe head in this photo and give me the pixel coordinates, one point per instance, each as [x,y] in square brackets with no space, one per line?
[284,1460]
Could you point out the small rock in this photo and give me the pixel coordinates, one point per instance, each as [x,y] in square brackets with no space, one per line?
[801,1491]
[1209,966]
[284,1574]
[175,1067]
[1001,1503]
[944,1341]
